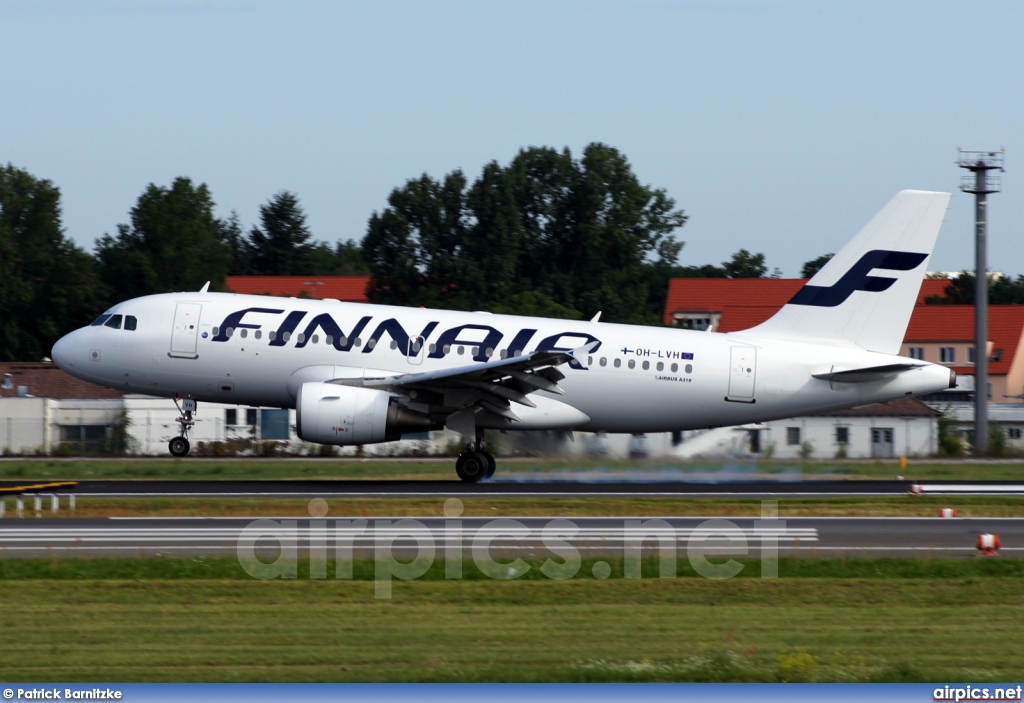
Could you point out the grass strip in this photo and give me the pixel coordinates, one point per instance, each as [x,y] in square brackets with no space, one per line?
[442,468]
[228,568]
[499,506]
[690,629]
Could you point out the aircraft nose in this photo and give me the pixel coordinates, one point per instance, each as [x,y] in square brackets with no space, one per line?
[64,351]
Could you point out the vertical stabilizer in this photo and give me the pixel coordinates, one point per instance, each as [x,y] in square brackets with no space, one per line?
[865,294]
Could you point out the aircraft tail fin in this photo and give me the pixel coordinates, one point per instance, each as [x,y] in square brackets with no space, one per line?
[865,294]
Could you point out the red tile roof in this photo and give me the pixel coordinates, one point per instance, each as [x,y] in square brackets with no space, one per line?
[901,407]
[955,323]
[45,380]
[349,289]
[745,302]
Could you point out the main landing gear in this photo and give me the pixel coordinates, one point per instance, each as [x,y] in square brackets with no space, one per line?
[179,446]
[475,463]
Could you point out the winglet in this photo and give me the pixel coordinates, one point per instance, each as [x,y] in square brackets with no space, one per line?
[205,288]
[597,317]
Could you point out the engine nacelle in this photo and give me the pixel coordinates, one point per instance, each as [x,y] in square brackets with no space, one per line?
[328,413]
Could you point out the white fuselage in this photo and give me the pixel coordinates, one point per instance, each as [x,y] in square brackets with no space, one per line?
[637,379]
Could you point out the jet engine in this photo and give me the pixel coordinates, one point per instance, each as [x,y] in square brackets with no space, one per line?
[329,413]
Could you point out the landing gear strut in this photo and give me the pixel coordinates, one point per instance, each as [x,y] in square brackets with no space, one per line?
[179,446]
[475,463]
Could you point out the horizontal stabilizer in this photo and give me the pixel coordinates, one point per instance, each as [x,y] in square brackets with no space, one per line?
[867,374]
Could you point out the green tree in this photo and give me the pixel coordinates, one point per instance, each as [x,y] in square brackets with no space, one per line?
[281,245]
[996,439]
[233,235]
[535,303]
[48,286]
[960,291]
[344,259]
[743,264]
[704,271]
[349,259]
[411,248]
[814,265]
[623,227]
[583,234]
[488,258]
[174,243]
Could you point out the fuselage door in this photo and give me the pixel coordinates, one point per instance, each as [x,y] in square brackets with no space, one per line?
[742,372]
[185,333]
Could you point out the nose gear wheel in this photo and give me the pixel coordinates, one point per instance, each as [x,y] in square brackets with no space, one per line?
[179,446]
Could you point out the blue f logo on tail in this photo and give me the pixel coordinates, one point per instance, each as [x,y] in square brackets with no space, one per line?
[857,278]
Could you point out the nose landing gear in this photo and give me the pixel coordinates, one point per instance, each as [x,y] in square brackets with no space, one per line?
[475,464]
[179,445]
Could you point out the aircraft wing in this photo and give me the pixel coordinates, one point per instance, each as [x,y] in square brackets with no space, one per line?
[491,386]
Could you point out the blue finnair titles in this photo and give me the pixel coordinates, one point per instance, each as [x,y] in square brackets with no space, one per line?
[482,339]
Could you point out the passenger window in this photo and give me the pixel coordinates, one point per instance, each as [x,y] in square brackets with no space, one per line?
[130,323]
[618,363]
[647,365]
[100,320]
[661,366]
[114,322]
[675,367]
[604,361]
[632,363]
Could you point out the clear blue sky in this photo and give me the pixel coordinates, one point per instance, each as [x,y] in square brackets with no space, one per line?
[779,126]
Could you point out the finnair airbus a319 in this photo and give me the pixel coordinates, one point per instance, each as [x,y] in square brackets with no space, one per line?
[360,374]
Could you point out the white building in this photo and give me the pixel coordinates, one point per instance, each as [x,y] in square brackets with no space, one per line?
[1009,416]
[70,416]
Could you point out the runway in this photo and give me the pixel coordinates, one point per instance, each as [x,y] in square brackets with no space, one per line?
[516,486]
[812,537]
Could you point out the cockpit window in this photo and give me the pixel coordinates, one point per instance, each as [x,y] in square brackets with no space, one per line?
[114,321]
[130,323]
[100,320]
